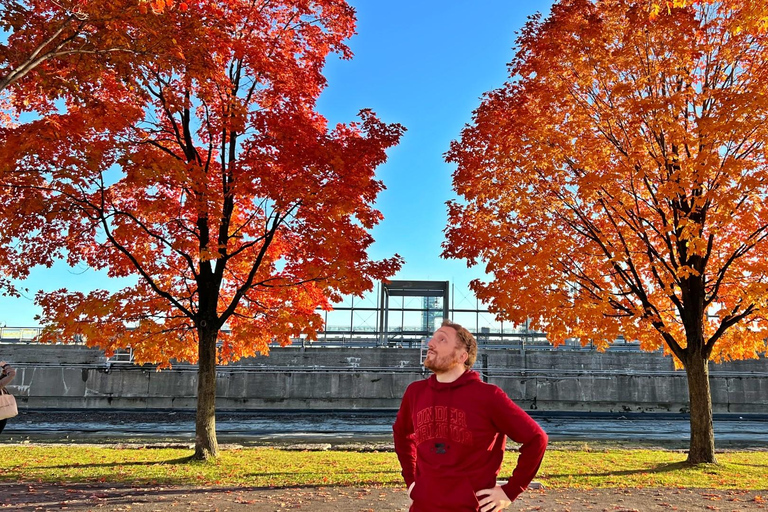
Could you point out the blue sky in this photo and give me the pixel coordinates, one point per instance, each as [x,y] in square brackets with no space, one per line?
[420,63]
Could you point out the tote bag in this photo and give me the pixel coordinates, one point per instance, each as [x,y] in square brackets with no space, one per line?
[7,405]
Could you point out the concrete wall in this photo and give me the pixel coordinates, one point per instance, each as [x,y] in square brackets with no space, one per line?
[55,376]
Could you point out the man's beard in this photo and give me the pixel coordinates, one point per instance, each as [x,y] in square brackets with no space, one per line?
[441,364]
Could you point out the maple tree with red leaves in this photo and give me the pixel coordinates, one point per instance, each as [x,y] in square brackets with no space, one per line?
[202,168]
[616,185]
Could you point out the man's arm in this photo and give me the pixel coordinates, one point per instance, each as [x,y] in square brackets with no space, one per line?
[515,423]
[405,444]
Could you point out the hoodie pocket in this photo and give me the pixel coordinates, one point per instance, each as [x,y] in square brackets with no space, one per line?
[448,494]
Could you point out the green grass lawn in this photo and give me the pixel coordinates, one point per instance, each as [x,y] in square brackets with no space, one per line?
[269,467]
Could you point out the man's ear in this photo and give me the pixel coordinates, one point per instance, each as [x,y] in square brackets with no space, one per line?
[464,356]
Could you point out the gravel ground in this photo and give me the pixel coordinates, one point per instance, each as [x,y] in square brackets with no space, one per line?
[106,497]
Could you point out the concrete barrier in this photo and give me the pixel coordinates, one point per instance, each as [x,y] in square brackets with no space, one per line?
[55,376]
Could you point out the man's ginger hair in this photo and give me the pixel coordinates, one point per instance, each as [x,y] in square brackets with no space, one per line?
[465,340]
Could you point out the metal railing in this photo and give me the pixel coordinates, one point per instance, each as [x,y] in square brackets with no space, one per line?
[19,334]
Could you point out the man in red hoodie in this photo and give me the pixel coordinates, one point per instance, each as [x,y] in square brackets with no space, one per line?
[451,430]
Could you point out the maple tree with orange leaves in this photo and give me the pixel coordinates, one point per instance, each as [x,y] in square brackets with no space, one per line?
[616,185]
[198,164]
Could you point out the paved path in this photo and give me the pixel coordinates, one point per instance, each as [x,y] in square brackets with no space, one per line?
[106,497]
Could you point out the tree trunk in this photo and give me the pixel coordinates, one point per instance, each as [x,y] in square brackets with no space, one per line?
[206,445]
[702,448]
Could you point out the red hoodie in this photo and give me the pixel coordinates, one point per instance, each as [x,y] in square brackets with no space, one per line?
[450,440]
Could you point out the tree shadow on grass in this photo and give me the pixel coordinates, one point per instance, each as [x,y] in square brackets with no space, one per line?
[181,460]
[748,465]
[661,468]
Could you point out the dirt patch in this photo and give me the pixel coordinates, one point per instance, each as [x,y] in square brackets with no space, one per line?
[106,497]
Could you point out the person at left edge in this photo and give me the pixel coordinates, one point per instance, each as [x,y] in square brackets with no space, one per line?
[7,373]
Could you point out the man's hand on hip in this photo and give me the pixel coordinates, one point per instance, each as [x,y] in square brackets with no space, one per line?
[495,499]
